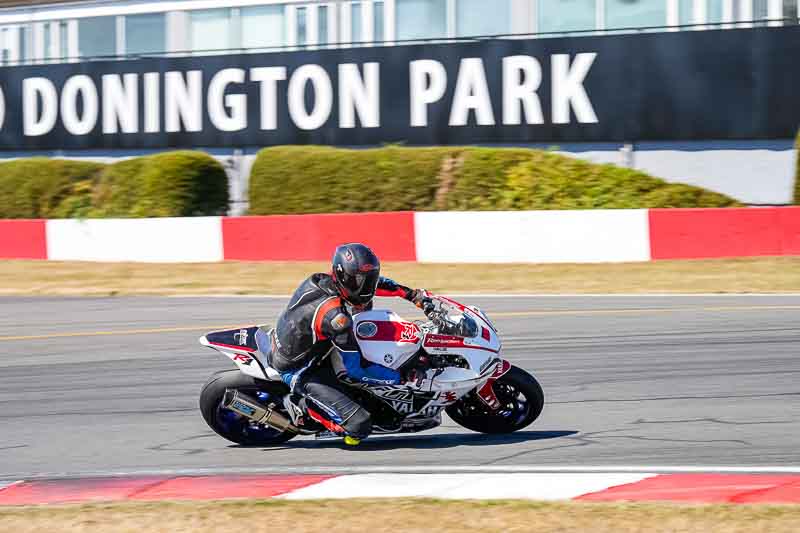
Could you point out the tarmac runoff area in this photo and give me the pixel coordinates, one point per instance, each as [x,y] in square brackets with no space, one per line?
[635,387]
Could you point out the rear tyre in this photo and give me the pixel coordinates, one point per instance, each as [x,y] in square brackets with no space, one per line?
[521,398]
[231,425]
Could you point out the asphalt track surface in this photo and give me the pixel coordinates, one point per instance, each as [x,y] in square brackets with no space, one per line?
[92,386]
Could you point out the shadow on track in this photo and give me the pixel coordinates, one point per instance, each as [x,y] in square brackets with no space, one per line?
[420,441]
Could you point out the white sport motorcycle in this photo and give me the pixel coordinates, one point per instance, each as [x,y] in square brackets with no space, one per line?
[454,358]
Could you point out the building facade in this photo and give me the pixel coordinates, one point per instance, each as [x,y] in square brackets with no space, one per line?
[74,31]
[756,169]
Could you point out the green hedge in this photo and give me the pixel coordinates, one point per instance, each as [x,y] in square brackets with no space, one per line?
[167,184]
[172,184]
[43,188]
[319,179]
[314,179]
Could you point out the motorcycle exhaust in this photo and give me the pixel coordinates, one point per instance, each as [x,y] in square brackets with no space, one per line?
[252,409]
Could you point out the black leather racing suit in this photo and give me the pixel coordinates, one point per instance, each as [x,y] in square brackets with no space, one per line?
[316,322]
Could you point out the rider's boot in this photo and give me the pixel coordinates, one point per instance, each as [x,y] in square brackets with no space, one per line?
[351,441]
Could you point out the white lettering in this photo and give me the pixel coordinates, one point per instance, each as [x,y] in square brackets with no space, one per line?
[268,78]
[35,121]
[183,101]
[357,95]
[83,86]
[323,97]
[120,103]
[428,81]
[152,102]
[522,76]
[568,88]
[237,103]
[472,93]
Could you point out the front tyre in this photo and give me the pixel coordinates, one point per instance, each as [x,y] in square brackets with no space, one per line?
[521,400]
[231,425]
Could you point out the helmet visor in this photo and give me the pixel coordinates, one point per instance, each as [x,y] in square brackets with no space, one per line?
[360,288]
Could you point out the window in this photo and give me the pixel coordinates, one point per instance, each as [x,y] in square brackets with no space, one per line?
[6,45]
[322,23]
[714,11]
[685,12]
[421,19]
[262,27]
[145,34]
[566,15]
[479,17]
[790,11]
[356,33]
[48,41]
[63,37]
[377,22]
[635,13]
[211,29]
[302,26]
[12,45]
[97,36]
[760,11]
[25,44]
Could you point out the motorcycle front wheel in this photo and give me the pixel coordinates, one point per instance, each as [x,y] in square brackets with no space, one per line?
[231,425]
[521,398]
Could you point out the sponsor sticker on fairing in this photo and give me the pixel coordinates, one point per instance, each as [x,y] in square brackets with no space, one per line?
[367,330]
[244,359]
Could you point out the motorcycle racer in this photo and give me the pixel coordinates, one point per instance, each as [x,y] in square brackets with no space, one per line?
[318,322]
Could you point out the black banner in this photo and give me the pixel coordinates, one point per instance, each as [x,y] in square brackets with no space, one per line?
[728,84]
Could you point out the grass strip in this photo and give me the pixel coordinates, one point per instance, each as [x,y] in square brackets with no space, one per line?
[406,515]
[767,274]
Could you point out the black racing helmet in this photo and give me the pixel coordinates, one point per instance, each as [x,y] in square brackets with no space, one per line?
[356,270]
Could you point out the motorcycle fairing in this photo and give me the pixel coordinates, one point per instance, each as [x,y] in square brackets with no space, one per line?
[386,339]
[239,345]
[486,393]
[414,403]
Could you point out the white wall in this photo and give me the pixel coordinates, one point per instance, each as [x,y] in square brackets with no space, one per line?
[152,240]
[533,236]
[758,176]
[750,176]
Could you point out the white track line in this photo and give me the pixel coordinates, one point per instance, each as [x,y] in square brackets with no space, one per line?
[4,484]
[495,486]
[533,295]
[344,470]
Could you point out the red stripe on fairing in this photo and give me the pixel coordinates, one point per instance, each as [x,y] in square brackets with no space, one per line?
[23,239]
[390,331]
[728,232]
[155,488]
[315,237]
[231,346]
[706,488]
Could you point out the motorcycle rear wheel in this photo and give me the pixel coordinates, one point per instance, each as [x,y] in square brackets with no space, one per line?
[233,426]
[522,402]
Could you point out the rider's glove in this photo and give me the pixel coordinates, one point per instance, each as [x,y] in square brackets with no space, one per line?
[422,299]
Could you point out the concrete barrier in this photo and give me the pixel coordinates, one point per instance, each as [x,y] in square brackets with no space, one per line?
[591,236]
